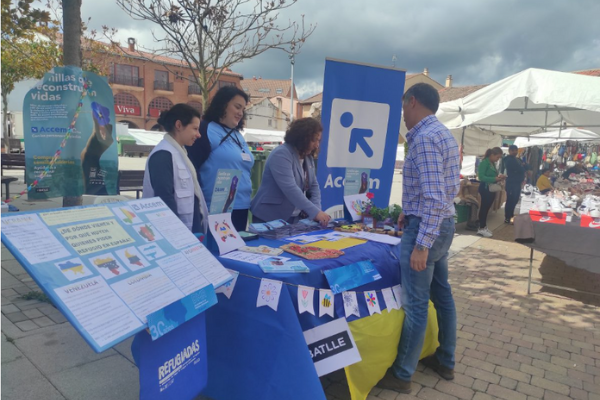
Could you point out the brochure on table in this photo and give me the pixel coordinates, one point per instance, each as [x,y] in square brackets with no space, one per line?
[107,267]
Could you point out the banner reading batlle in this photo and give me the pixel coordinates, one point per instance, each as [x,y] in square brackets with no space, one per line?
[88,163]
[362,107]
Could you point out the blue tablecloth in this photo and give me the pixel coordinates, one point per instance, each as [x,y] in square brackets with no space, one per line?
[259,353]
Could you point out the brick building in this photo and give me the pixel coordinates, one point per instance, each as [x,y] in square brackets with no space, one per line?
[144,84]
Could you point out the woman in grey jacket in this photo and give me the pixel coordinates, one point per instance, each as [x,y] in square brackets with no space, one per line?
[289,188]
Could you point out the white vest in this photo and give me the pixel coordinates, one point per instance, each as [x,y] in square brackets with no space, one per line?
[182,178]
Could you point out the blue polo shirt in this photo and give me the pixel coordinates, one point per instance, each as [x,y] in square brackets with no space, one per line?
[227,155]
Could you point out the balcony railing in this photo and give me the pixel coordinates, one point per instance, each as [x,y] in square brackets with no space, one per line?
[126,80]
[194,89]
[162,85]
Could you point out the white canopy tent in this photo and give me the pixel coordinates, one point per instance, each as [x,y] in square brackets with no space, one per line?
[540,139]
[262,136]
[146,138]
[523,104]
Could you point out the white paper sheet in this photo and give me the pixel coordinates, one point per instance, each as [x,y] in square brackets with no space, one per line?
[33,239]
[224,233]
[326,302]
[390,300]
[268,293]
[172,229]
[398,295]
[305,300]
[355,204]
[378,237]
[331,346]
[250,258]
[99,310]
[227,288]
[183,274]
[207,264]
[372,302]
[147,292]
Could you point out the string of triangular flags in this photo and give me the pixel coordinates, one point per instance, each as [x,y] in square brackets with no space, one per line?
[56,155]
[270,290]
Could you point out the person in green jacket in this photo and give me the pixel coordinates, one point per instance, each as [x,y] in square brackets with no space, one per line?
[488,173]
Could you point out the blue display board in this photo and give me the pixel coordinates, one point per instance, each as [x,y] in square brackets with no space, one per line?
[362,107]
[108,267]
[88,162]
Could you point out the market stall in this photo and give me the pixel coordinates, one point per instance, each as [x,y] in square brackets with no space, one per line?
[527,103]
[243,339]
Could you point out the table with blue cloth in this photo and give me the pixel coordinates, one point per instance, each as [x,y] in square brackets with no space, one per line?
[259,353]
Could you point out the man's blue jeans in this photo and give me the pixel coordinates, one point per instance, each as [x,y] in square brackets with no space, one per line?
[417,288]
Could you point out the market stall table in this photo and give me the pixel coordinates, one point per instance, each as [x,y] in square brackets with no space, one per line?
[259,353]
[575,245]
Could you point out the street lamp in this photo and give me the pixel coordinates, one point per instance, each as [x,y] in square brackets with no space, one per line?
[292,61]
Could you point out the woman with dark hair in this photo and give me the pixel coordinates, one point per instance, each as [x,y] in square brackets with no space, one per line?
[543,183]
[488,175]
[170,174]
[289,188]
[224,147]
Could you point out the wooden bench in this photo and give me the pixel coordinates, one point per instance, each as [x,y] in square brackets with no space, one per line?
[13,160]
[131,181]
[133,149]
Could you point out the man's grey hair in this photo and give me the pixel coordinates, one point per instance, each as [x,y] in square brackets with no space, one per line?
[425,94]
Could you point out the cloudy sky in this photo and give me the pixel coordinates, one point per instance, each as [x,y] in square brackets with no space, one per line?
[476,41]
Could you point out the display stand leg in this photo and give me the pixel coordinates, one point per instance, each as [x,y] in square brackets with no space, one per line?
[530,270]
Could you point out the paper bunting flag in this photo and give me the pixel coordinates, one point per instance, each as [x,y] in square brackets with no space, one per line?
[350,304]
[305,300]
[326,302]
[268,293]
[227,289]
[398,294]
[390,300]
[372,302]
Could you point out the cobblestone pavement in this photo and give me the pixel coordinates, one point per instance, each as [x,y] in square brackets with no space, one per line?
[510,346]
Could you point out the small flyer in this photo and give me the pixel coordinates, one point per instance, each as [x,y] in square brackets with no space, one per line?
[224,191]
[351,276]
[356,181]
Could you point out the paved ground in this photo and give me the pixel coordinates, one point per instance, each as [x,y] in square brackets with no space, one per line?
[510,346]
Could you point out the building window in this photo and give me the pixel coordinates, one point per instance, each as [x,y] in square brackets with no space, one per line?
[125,75]
[194,88]
[157,105]
[279,91]
[197,106]
[225,83]
[161,80]
[264,90]
[270,122]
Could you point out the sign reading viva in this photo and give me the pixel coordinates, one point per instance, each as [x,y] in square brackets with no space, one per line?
[127,110]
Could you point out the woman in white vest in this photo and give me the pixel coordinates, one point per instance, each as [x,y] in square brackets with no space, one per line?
[170,174]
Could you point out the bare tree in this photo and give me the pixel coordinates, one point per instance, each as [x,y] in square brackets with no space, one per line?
[212,35]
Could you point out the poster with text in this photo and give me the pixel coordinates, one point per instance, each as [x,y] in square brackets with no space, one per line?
[356,181]
[88,162]
[224,191]
[106,277]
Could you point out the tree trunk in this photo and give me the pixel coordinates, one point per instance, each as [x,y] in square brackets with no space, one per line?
[72,56]
[6,142]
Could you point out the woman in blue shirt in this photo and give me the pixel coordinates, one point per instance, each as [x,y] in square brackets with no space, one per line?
[222,146]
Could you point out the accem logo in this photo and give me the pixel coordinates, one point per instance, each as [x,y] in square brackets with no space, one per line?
[50,129]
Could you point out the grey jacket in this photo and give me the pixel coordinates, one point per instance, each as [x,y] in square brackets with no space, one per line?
[281,190]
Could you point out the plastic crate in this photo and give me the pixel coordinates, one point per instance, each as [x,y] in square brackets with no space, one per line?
[462,213]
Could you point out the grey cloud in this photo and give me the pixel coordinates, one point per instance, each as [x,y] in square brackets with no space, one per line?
[475,41]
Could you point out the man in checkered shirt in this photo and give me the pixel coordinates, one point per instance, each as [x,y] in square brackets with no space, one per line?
[430,184]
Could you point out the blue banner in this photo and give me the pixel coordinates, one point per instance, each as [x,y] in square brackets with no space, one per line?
[175,365]
[362,107]
[88,163]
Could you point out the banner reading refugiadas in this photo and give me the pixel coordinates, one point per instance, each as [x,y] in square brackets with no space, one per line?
[88,162]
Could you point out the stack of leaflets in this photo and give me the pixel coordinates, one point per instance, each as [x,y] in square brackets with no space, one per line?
[280,229]
[275,265]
